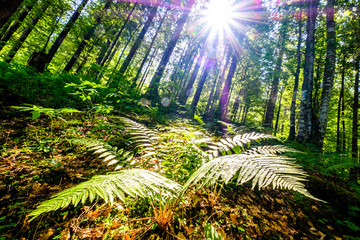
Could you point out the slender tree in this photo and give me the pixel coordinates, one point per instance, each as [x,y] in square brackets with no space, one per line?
[87,37]
[57,43]
[305,123]
[150,47]
[138,41]
[7,9]
[329,71]
[270,108]
[224,99]
[7,32]
[18,43]
[112,49]
[292,132]
[153,89]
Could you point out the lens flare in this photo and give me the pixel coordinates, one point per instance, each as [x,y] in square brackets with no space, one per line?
[219,14]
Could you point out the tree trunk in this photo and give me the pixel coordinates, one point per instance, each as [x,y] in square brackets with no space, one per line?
[224,99]
[8,8]
[219,86]
[339,111]
[270,108]
[150,47]
[153,89]
[329,71]
[142,81]
[65,31]
[209,64]
[120,57]
[18,43]
[296,85]
[16,24]
[305,123]
[279,110]
[111,50]
[88,35]
[355,171]
[186,92]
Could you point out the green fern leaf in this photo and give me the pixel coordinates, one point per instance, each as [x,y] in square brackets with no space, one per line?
[135,183]
[262,170]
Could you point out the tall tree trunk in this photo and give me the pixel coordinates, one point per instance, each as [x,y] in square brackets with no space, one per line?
[153,89]
[224,99]
[56,45]
[186,69]
[355,171]
[219,84]
[87,37]
[186,92]
[150,47]
[8,8]
[279,110]
[305,123]
[111,50]
[16,24]
[137,43]
[270,108]
[18,43]
[147,70]
[329,71]
[292,132]
[339,111]
[209,64]
[120,57]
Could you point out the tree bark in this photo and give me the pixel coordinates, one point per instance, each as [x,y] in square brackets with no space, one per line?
[354,139]
[340,111]
[292,132]
[305,123]
[329,71]
[153,89]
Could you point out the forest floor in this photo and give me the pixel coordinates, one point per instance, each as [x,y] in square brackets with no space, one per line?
[38,161]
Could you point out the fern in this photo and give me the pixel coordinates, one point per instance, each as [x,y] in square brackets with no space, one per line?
[278,171]
[134,182]
[270,150]
[109,154]
[142,137]
[235,144]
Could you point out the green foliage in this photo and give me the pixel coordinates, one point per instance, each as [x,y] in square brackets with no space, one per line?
[36,111]
[19,84]
[263,170]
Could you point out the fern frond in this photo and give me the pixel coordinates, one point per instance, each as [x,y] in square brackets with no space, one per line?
[235,144]
[277,171]
[270,150]
[109,154]
[142,137]
[134,182]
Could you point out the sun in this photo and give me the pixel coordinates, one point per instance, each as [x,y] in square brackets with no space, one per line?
[219,15]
